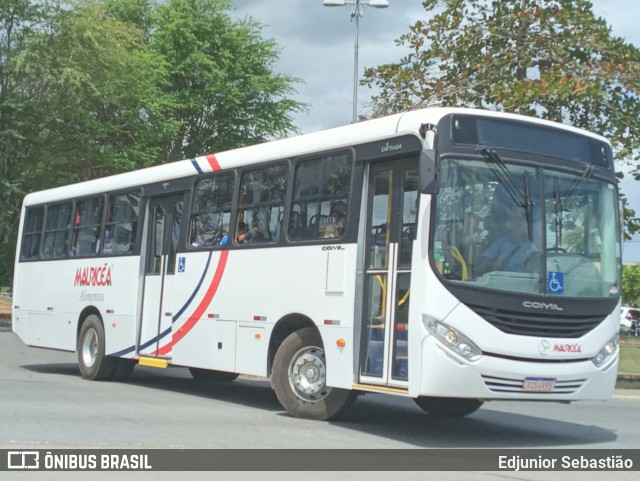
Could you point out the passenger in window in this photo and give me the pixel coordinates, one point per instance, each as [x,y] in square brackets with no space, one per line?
[244,235]
[336,229]
[339,207]
[123,241]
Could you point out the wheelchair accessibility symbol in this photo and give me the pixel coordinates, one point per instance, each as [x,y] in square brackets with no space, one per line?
[555,283]
[182,264]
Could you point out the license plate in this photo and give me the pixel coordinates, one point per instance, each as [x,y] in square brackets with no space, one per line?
[539,384]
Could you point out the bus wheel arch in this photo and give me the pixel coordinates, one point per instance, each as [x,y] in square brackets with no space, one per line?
[115,368]
[94,364]
[86,312]
[283,329]
[299,378]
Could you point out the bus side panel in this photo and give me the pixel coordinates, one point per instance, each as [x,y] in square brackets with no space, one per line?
[42,319]
[53,295]
[257,288]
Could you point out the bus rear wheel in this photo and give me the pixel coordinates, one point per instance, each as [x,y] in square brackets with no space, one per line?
[94,365]
[449,407]
[299,378]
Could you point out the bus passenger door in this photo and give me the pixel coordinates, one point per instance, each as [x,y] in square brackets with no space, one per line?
[392,197]
[163,233]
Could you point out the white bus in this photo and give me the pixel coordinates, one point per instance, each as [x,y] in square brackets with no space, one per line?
[453,256]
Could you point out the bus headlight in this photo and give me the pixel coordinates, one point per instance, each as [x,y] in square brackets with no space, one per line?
[609,350]
[452,339]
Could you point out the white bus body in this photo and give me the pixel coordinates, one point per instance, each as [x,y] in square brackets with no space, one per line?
[396,303]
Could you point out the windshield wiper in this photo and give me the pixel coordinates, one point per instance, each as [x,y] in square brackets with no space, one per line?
[504,176]
[559,209]
[588,172]
[521,198]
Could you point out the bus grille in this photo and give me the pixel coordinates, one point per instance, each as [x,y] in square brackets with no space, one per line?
[504,385]
[538,325]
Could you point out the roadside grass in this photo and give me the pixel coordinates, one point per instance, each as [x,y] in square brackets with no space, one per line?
[5,309]
[629,355]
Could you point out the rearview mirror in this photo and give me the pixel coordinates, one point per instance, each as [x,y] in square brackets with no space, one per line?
[428,172]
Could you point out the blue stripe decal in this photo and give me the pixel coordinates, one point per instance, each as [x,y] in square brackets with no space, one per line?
[123,352]
[195,164]
[193,295]
[167,331]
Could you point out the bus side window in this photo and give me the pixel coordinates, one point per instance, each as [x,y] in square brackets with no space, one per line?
[211,211]
[261,204]
[32,233]
[320,197]
[56,231]
[121,227]
[87,226]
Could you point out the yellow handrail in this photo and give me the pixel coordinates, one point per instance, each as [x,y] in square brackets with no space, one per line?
[455,252]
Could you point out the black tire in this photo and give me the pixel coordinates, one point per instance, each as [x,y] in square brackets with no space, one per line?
[300,356]
[206,375]
[448,407]
[124,369]
[94,365]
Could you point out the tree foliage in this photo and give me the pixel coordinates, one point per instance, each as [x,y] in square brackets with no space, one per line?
[631,285]
[220,74]
[94,87]
[549,58]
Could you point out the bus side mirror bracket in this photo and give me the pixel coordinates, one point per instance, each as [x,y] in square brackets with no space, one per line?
[428,177]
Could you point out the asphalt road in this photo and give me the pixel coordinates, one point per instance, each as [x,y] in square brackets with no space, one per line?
[45,404]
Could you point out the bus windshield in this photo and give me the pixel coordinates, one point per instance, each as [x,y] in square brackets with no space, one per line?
[525,229]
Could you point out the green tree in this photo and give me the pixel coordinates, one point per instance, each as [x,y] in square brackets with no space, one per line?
[549,58]
[18,20]
[631,285]
[221,75]
[94,87]
[81,96]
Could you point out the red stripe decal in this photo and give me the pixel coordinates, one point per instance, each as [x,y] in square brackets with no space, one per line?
[213,162]
[198,313]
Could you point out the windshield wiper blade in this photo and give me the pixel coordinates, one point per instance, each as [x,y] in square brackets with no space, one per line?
[588,172]
[504,176]
[528,206]
[521,198]
[559,209]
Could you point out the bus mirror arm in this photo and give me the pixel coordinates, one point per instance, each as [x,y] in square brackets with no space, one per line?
[428,177]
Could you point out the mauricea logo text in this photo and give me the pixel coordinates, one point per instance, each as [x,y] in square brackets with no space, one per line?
[99,276]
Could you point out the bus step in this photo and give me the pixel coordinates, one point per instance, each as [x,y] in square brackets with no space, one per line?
[153,362]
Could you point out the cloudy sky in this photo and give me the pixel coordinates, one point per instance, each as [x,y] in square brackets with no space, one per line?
[317,45]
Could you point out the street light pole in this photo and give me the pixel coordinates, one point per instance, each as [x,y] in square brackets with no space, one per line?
[355,16]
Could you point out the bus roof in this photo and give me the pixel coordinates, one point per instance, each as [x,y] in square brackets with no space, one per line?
[335,138]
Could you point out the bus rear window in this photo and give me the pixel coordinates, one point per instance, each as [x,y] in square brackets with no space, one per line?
[32,233]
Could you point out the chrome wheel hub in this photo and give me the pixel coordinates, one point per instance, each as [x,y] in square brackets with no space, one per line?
[307,374]
[90,347]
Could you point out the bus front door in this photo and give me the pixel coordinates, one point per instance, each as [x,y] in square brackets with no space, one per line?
[392,198]
[163,234]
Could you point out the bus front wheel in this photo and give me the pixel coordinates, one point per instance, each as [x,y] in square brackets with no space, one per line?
[94,365]
[299,378]
[448,407]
